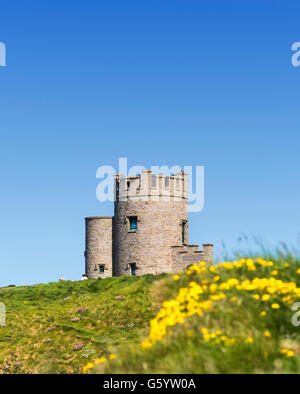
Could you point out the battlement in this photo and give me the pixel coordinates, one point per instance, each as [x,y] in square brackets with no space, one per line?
[151,187]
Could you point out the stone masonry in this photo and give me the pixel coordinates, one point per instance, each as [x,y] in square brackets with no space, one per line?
[98,251]
[148,232]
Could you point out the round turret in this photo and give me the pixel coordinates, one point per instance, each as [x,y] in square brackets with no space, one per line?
[98,246]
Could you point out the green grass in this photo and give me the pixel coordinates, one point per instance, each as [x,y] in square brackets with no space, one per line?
[184,348]
[40,335]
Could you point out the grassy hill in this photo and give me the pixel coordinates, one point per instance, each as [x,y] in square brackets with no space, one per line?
[234,317]
[59,327]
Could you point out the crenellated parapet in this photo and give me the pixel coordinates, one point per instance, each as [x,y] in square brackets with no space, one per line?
[151,187]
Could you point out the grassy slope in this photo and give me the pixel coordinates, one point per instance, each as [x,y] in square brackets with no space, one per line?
[260,343]
[40,335]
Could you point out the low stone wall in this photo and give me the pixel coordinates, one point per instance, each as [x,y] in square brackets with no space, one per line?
[185,255]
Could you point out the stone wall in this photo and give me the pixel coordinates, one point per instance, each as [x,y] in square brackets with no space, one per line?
[158,228]
[185,255]
[98,249]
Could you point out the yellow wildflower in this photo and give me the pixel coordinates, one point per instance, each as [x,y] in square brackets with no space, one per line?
[275,306]
[87,367]
[176,277]
[290,353]
[146,344]
[100,360]
[263,313]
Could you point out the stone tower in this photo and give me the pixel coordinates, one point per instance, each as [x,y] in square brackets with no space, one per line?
[150,217]
[149,231]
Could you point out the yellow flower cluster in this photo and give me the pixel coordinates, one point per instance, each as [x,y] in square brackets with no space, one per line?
[175,311]
[197,298]
[227,265]
[288,353]
[92,365]
[216,337]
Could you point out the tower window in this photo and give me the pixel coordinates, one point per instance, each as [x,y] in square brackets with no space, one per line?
[167,181]
[101,269]
[133,268]
[183,231]
[132,223]
[128,184]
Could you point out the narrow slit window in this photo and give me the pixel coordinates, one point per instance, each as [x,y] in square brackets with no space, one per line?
[132,223]
[167,181]
[183,228]
[133,268]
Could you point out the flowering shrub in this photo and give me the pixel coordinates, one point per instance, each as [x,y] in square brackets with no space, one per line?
[230,317]
[206,290]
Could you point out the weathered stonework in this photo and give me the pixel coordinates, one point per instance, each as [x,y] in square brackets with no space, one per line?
[98,250]
[159,243]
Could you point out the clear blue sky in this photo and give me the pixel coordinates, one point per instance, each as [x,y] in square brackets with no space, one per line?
[161,82]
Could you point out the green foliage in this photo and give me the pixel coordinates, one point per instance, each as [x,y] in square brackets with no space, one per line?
[44,322]
[259,342]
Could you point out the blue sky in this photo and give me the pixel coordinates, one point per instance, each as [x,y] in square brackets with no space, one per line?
[181,82]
